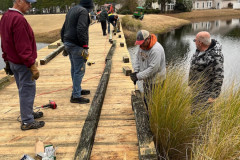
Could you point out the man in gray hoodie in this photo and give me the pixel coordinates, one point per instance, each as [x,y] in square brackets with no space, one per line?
[150,62]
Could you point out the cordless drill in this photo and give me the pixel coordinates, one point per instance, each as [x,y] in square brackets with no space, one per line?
[51,104]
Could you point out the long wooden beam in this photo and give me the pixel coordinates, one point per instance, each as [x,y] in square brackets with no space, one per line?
[52,55]
[84,148]
[146,145]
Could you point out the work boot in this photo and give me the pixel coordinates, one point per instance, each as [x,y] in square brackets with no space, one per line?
[85,92]
[80,100]
[33,125]
[37,115]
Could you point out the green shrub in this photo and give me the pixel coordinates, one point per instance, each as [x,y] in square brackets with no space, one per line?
[152,11]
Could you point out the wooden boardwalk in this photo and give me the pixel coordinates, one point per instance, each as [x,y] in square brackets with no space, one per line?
[116,136]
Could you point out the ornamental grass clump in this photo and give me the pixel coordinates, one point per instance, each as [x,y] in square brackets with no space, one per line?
[221,139]
[170,115]
[131,24]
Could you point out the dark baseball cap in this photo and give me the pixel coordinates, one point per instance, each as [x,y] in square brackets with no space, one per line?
[31,1]
[142,35]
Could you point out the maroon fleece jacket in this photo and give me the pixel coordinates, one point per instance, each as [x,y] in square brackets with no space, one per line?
[18,42]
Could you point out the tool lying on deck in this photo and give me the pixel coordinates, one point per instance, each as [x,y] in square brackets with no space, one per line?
[90,63]
[51,104]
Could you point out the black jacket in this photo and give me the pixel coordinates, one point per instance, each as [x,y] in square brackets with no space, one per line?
[104,16]
[75,27]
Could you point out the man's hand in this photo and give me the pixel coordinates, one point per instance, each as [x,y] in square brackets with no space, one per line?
[65,53]
[85,54]
[8,69]
[35,72]
[211,100]
[134,77]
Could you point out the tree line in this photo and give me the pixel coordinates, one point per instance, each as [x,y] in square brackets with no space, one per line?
[43,4]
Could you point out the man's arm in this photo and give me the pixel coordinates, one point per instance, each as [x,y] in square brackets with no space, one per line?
[82,28]
[155,60]
[136,65]
[218,75]
[23,43]
[62,32]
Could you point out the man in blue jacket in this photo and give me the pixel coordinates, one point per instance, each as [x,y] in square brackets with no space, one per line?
[113,19]
[74,35]
[20,53]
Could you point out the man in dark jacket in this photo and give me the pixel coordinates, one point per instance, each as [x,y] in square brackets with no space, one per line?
[74,35]
[103,20]
[19,53]
[206,71]
[113,19]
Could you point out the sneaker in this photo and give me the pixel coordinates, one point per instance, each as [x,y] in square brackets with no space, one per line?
[85,92]
[80,100]
[37,115]
[33,125]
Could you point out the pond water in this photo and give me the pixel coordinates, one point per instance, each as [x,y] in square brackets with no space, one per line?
[2,64]
[179,46]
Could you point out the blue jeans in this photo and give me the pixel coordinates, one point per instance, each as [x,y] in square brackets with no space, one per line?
[26,90]
[108,27]
[77,67]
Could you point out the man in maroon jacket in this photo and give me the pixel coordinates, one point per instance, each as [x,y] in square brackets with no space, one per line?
[19,53]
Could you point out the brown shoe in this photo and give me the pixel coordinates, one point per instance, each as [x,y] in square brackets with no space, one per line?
[33,125]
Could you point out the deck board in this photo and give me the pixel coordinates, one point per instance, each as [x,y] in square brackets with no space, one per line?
[116,136]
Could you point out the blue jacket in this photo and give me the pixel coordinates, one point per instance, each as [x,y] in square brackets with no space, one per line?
[111,19]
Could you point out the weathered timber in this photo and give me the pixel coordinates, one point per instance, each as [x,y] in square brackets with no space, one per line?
[122,44]
[127,70]
[84,148]
[52,55]
[54,46]
[125,59]
[111,51]
[6,81]
[146,146]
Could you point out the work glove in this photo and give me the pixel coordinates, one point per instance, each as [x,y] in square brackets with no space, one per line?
[35,72]
[85,54]
[8,69]
[134,77]
[65,53]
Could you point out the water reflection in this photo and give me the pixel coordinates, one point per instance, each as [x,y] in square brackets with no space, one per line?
[2,64]
[179,46]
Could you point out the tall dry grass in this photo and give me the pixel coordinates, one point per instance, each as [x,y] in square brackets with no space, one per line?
[131,24]
[211,134]
[170,116]
[221,140]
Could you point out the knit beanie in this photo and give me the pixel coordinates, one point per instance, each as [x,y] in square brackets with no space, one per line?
[88,4]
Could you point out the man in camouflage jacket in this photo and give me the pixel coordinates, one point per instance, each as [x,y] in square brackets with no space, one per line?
[206,71]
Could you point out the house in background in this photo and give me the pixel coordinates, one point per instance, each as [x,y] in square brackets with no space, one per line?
[216,4]
[202,4]
[169,6]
